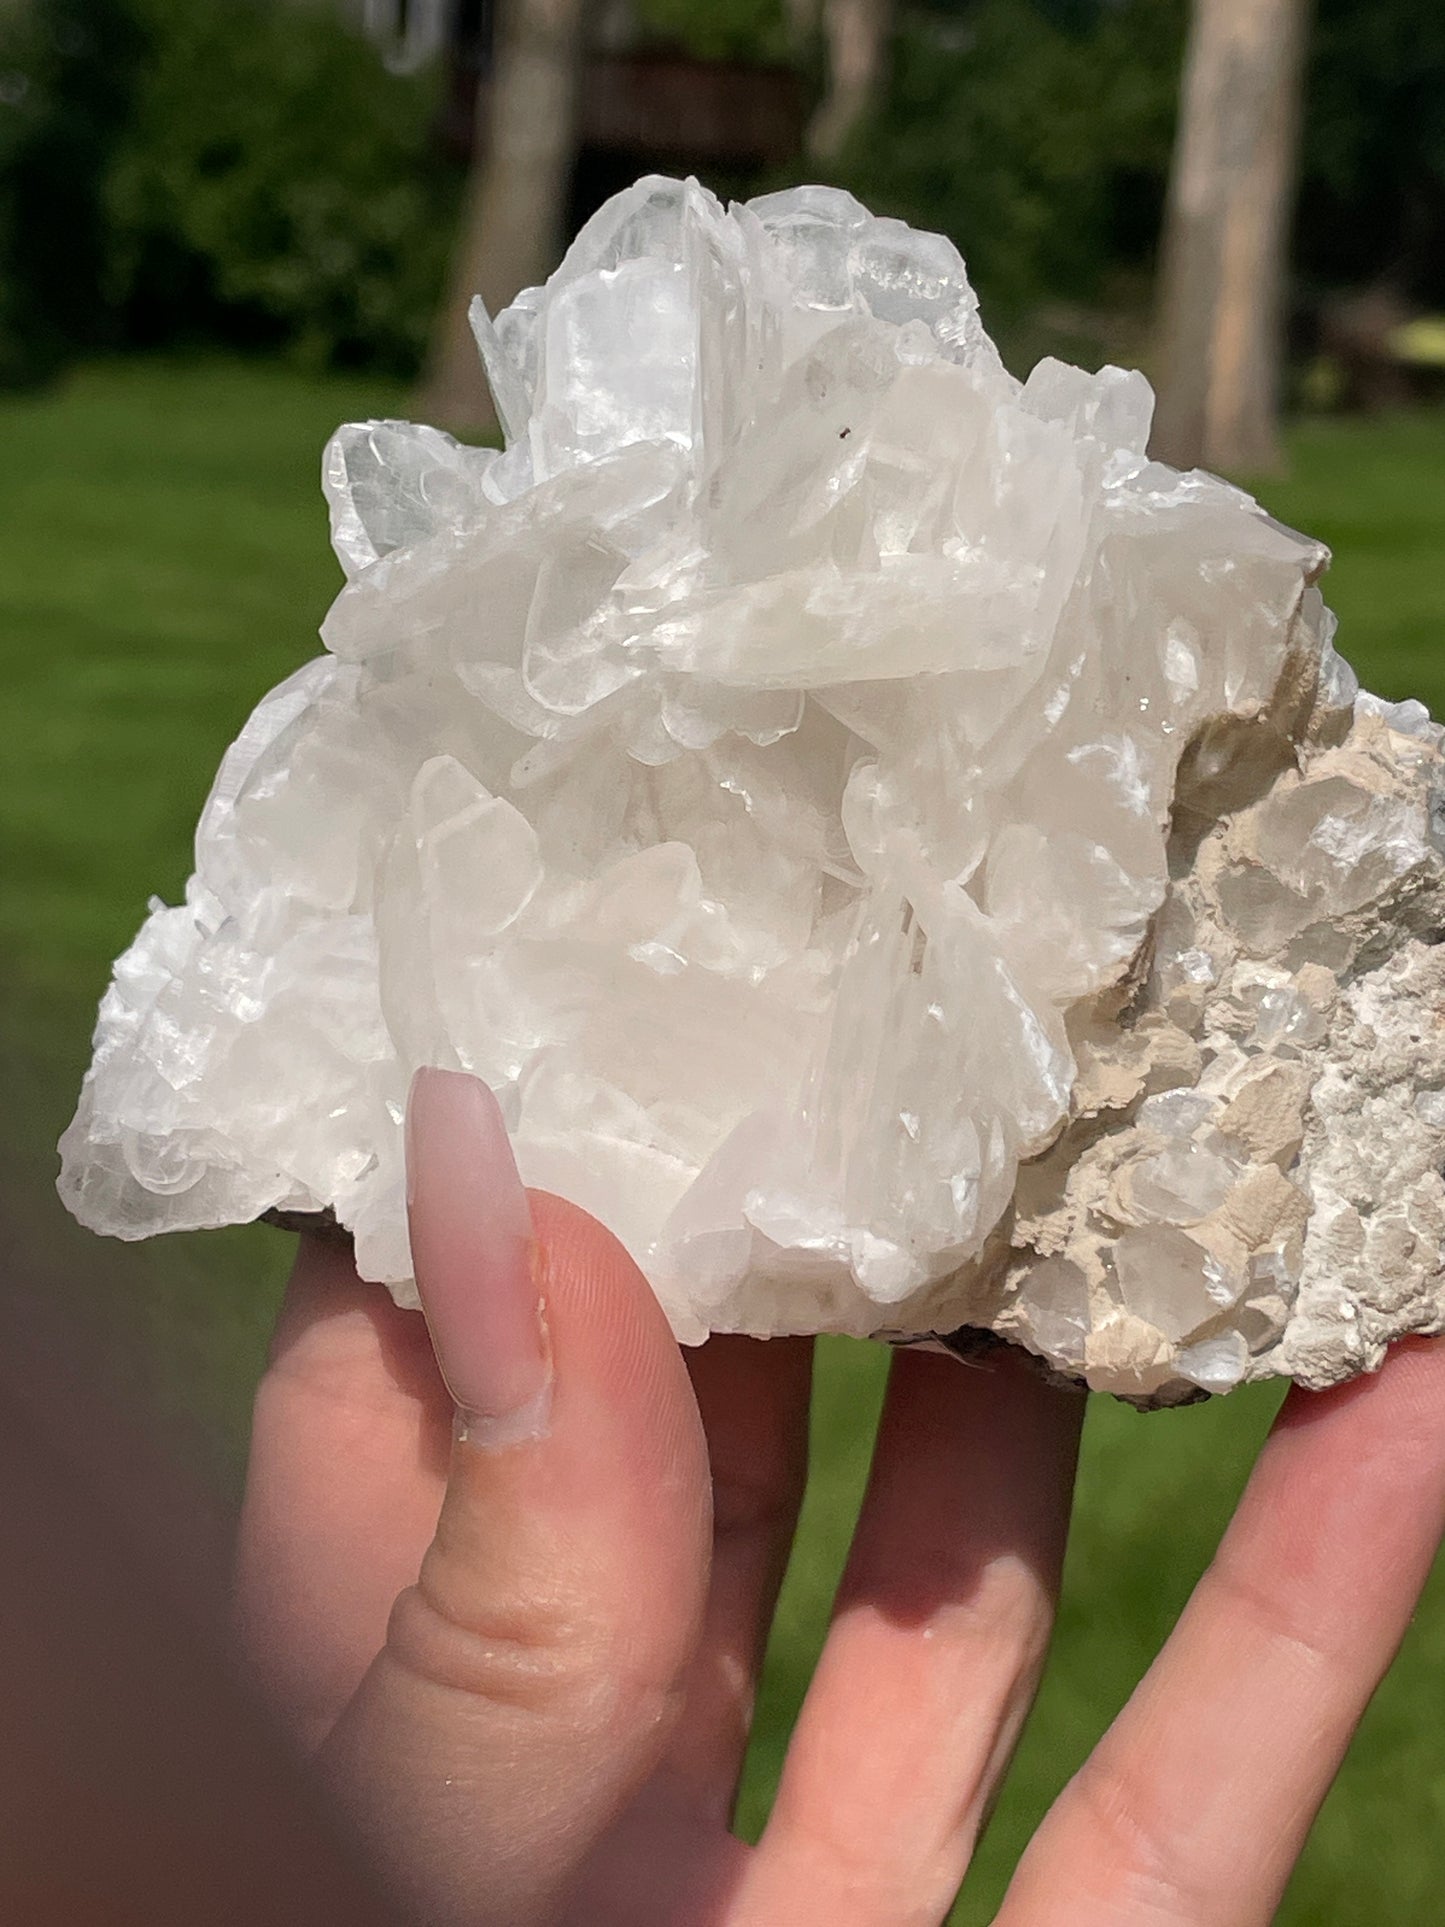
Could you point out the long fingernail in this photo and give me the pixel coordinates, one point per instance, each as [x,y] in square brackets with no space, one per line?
[472,1249]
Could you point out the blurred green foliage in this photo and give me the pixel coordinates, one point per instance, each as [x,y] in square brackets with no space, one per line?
[1038,139]
[1038,133]
[272,161]
[754,30]
[225,170]
[67,72]
[1372,198]
[251,172]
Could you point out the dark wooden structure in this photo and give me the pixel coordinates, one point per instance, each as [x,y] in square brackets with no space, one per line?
[665,107]
[645,109]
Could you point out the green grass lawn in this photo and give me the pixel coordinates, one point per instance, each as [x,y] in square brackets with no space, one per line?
[163,560]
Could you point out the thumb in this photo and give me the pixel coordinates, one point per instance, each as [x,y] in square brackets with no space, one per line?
[531,1677]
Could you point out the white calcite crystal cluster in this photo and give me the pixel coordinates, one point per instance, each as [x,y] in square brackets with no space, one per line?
[905,860]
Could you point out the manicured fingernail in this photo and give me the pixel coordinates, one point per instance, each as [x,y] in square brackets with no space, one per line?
[472,1249]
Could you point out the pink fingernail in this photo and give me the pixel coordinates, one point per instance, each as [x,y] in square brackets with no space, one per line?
[471,1244]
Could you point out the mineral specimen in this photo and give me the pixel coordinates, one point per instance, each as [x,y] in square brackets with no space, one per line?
[905,860]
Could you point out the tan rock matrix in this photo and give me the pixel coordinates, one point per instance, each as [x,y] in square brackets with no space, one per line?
[904,860]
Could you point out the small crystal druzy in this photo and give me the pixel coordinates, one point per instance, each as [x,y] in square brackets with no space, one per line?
[905,860]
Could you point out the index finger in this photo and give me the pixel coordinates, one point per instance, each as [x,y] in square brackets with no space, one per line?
[1196,1804]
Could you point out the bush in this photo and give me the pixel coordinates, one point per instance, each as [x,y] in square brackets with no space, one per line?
[225,170]
[275,181]
[749,30]
[1372,163]
[1035,134]
[67,70]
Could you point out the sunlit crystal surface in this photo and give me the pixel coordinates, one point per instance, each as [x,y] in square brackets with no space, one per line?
[903,859]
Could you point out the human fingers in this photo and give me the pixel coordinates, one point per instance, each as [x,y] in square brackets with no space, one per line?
[531,1678]
[938,1637]
[753,1397]
[349,1445]
[1195,1805]
[672,1857]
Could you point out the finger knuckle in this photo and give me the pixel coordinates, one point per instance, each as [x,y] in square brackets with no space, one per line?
[533,1652]
[1131,1853]
[1295,1631]
[524,1653]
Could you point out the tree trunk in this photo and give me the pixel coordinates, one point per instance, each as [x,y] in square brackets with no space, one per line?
[1224,261]
[856,33]
[511,231]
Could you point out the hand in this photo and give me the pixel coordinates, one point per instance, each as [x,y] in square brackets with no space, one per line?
[526,1656]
